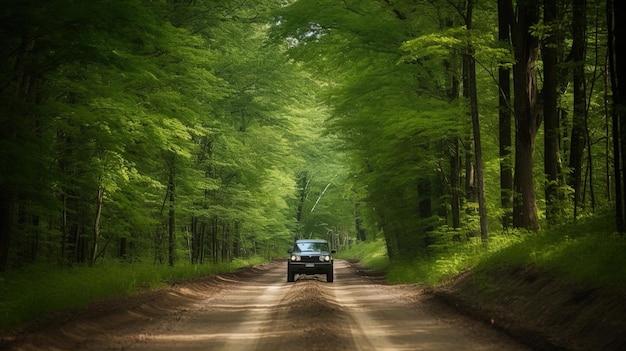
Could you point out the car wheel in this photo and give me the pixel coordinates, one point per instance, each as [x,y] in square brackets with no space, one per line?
[290,277]
[330,276]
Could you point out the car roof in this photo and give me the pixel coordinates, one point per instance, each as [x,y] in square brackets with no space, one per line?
[311,241]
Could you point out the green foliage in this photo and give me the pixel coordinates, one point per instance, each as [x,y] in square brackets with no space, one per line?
[584,253]
[372,254]
[448,258]
[239,126]
[395,102]
[184,105]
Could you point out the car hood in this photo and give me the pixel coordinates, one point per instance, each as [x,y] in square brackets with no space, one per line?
[312,253]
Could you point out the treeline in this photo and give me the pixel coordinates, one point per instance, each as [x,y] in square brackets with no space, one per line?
[470,118]
[208,130]
[149,130]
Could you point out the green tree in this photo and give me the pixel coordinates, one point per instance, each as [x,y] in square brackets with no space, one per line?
[526,51]
[550,92]
[169,98]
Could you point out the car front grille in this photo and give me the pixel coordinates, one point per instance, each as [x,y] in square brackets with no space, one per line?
[306,258]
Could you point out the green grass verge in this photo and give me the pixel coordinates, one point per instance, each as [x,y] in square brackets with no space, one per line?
[371,254]
[585,252]
[35,291]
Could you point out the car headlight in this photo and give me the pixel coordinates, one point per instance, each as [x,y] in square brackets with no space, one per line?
[325,258]
[295,258]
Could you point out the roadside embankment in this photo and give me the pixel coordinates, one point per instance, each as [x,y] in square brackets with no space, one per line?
[540,309]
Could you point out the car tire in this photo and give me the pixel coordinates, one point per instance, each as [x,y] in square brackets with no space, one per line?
[290,276]
[330,276]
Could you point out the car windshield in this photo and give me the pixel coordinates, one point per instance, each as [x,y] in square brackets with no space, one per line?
[311,246]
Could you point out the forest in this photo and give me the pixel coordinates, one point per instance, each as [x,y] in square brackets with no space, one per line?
[176,132]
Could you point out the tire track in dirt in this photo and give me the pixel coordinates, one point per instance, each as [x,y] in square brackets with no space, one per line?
[236,319]
[403,318]
[256,309]
[308,318]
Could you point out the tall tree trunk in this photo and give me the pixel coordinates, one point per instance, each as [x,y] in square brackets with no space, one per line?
[578,142]
[550,113]
[303,185]
[616,12]
[391,238]
[214,240]
[6,217]
[526,51]
[25,91]
[123,248]
[455,184]
[225,241]
[608,138]
[171,219]
[455,159]
[196,247]
[590,94]
[203,228]
[473,97]
[96,225]
[361,233]
[470,171]
[504,122]
[64,228]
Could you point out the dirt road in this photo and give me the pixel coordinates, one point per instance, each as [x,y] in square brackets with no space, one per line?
[259,310]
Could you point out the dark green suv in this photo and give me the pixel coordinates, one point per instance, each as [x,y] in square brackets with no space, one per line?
[310,256]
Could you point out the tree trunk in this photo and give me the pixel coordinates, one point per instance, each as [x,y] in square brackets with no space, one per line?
[473,97]
[123,248]
[196,247]
[455,184]
[203,240]
[616,12]
[214,240]
[526,50]
[590,94]
[391,238]
[608,138]
[6,217]
[579,28]
[25,90]
[225,242]
[96,225]
[550,113]
[504,123]
[361,233]
[171,220]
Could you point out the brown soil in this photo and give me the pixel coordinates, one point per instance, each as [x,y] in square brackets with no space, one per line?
[256,309]
[539,309]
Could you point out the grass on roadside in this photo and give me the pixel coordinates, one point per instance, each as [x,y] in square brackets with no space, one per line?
[585,252]
[371,254]
[35,291]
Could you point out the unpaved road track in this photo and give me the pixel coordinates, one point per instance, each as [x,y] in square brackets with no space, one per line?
[261,311]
